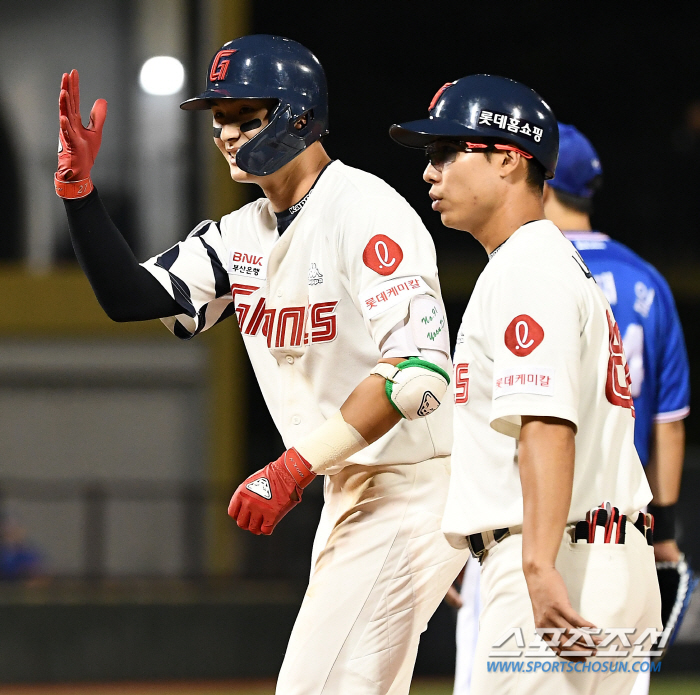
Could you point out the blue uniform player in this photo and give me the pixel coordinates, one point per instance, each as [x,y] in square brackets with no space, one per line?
[652,336]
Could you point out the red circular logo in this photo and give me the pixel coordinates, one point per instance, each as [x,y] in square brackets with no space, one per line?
[382,254]
[523,335]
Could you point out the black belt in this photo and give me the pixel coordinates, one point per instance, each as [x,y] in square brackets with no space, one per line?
[481,543]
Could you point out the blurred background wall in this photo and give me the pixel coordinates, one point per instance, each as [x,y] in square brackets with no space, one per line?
[119,445]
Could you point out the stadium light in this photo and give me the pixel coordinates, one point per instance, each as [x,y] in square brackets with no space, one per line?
[162,75]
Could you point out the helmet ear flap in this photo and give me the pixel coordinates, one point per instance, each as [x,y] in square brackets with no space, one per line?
[302,125]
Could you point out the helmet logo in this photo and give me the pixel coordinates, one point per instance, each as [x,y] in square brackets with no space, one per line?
[219,67]
[438,94]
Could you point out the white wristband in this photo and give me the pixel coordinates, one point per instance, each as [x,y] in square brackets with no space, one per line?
[331,443]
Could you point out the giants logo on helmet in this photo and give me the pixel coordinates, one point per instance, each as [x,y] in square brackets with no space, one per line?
[382,254]
[219,67]
[438,94]
[288,327]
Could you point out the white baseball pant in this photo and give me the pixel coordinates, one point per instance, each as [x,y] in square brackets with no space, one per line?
[381,567]
[612,586]
[467,630]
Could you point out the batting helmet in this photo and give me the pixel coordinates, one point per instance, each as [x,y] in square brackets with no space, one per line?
[270,67]
[487,106]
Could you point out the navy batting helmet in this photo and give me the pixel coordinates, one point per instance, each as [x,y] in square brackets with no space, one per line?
[487,106]
[270,67]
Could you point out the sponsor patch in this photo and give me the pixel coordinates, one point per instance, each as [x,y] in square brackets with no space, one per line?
[382,254]
[510,124]
[538,381]
[523,335]
[252,265]
[382,297]
[261,487]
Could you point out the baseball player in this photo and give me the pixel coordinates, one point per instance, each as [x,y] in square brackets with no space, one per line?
[653,339]
[660,382]
[332,278]
[544,421]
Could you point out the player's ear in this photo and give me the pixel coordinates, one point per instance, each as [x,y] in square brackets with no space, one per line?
[509,162]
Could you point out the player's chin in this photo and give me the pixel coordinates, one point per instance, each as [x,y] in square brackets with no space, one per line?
[240,176]
[449,219]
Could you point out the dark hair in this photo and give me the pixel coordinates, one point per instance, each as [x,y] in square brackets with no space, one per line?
[535,175]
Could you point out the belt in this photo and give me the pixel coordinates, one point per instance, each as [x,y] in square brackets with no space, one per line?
[481,543]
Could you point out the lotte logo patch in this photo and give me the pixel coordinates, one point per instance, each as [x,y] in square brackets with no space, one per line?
[523,335]
[382,254]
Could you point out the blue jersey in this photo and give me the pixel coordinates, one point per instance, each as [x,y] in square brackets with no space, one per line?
[651,331]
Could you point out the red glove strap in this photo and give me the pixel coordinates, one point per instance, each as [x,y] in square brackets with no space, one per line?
[73,189]
[299,467]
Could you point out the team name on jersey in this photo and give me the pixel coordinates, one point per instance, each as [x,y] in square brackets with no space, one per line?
[252,265]
[286,327]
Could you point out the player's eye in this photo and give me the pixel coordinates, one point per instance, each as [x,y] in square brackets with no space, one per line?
[441,155]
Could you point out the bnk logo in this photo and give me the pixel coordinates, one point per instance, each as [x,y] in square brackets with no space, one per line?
[219,66]
[239,257]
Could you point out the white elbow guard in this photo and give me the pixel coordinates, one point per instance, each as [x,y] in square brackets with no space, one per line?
[414,387]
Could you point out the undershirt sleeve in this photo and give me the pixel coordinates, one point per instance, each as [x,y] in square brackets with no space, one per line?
[125,290]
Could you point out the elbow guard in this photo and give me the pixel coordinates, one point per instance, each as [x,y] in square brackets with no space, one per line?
[414,387]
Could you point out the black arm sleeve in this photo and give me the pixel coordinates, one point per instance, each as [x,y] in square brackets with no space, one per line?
[124,289]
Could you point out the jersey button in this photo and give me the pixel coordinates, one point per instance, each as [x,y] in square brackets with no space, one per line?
[279,293]
[290,359]
[296,420]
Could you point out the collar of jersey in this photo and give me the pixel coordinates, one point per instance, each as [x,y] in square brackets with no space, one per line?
[286,217]
[518,230]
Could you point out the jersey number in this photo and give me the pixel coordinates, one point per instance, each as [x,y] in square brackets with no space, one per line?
[461,383]
[617,386]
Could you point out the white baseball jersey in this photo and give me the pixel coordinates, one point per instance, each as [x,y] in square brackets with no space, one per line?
[315,303]
[538,338]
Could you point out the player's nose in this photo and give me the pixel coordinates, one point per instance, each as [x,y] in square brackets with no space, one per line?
[230,131]
[431,174]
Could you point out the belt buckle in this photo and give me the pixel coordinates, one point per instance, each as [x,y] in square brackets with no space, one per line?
[481,543]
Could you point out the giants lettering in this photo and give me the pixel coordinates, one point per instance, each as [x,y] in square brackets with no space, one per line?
[288,326]
[324,320]
[617,386]
[462,383]
[296,314]
[241,309]
[219,67]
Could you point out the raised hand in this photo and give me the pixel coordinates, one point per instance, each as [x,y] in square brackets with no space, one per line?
[78,146]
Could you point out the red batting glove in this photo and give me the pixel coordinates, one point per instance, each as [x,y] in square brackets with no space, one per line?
[77,145]
[263,499]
